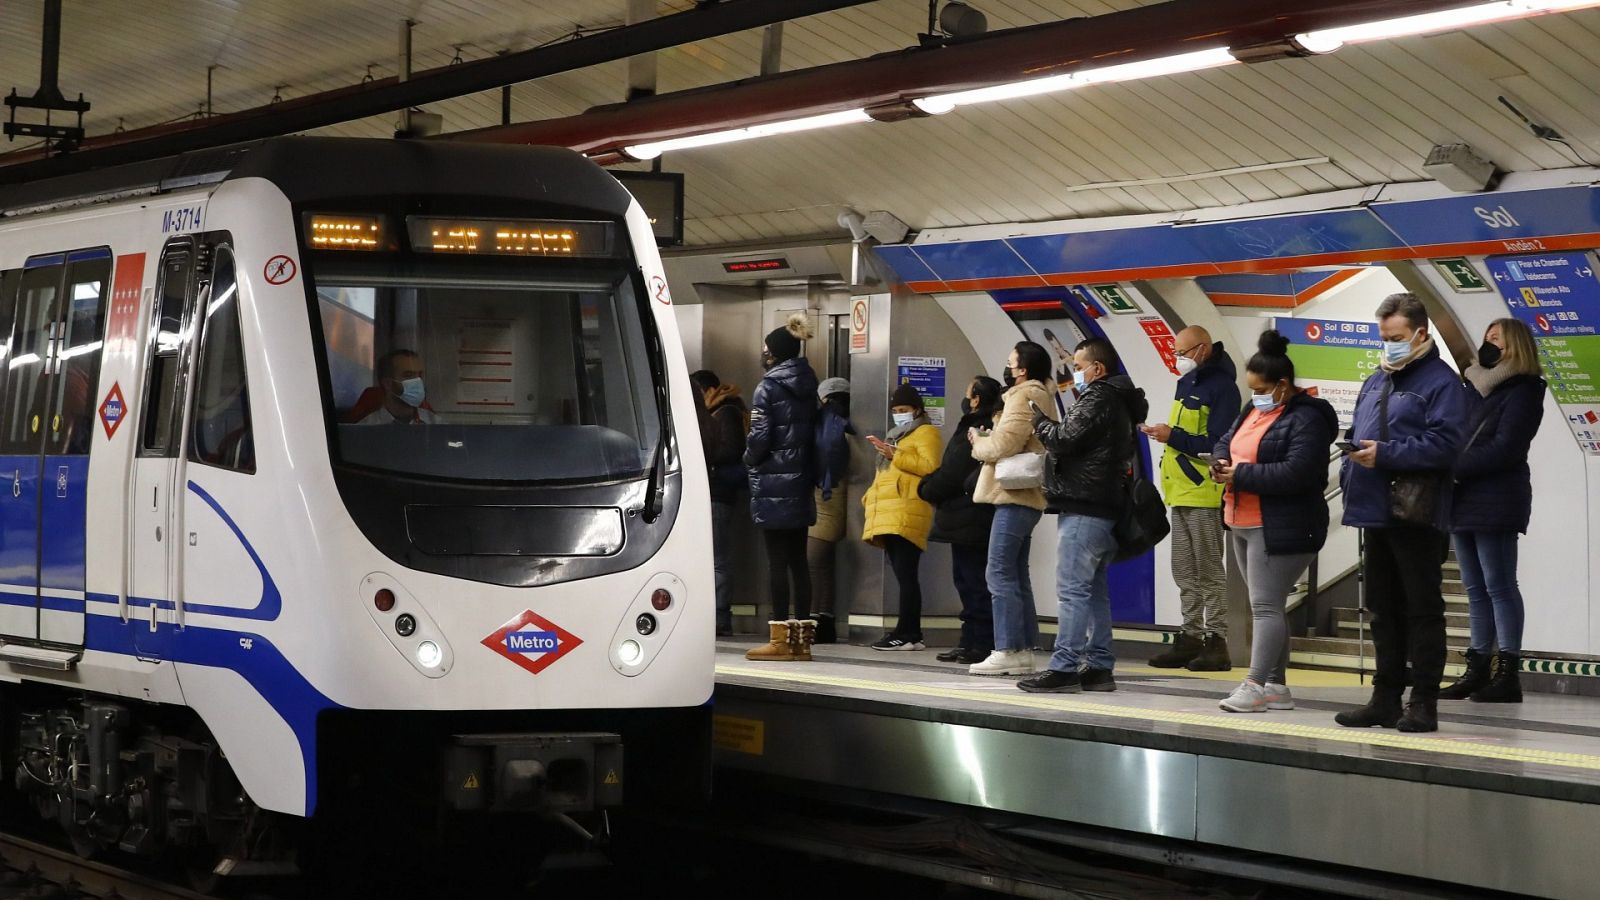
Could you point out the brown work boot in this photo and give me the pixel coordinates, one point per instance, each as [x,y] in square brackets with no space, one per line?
[778,647]
[802,634]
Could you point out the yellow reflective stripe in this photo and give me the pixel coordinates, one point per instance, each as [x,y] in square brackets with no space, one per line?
[1238,723]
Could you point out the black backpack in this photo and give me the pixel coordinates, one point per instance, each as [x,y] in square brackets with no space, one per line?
[1143,523]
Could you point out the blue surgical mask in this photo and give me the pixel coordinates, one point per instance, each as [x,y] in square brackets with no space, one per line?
[1078,379]
[412,392]
[1394,351]
[1265,403]
[901,420]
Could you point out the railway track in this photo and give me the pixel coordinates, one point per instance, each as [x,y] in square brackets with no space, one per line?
[29,869]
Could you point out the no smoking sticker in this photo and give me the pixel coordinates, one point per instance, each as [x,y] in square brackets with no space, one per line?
[279,270]
[658,288]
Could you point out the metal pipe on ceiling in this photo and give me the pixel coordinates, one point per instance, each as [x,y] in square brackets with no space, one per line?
[389,94]
[888,81]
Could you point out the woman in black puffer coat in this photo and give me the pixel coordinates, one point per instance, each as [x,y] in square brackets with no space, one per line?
[1274,461]
[779,454]
[965,525]
[1492,505]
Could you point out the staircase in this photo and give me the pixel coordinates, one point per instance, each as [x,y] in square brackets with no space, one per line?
[1342,650]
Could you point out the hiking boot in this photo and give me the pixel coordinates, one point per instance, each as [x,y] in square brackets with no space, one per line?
[1052,682]
[1506,686]
[1248,697]
[1476,676]
[826,633]
[1213,656]
[1383,710]
[801,637]
[1004,662]
[779,646]
[1100,680]
[1184,650]
[1420,716]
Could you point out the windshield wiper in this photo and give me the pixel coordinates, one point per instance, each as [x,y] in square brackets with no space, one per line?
[655,494]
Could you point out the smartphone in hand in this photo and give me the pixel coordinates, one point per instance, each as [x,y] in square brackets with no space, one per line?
[1348,446]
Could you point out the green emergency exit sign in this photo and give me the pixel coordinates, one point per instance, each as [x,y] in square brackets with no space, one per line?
[1461,274]
[1114,298]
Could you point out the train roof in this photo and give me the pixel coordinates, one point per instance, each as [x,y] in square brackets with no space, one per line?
[309,169]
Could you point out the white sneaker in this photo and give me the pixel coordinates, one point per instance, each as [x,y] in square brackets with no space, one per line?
[1248,697]
[1278,696]
[1004,662]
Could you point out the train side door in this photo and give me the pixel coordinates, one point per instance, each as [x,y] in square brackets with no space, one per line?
[53,373]
[152,514]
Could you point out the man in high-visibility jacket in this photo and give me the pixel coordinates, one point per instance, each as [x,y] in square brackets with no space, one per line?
[1207,403]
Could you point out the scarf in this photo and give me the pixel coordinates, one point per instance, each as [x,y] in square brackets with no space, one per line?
[1486,380]
[900,431]
[1417,353]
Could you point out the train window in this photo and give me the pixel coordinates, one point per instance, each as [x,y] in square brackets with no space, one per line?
[489,361]
[81,330]
[219,433]
[10,280]
[31,335]
[159,423]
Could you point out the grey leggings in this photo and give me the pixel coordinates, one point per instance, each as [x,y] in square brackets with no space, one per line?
[1269,579]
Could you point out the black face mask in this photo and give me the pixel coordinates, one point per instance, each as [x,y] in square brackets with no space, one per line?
[1008,377]
[966,406]
[1488,355]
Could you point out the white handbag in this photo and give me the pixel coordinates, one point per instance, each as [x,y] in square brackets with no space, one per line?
[1023,472]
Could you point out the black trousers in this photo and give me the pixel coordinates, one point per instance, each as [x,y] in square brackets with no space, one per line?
[968,563]
[904,559]
[786,560]
[1403,574]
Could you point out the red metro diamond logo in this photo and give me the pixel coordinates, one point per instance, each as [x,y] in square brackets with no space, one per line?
[532,642]
[113,410]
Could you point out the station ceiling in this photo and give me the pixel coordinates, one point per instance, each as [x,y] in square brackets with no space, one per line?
[1364,115]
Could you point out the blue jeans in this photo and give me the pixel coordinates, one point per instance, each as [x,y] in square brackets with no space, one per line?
[1494,601]
[1083,594]
[722,561]
[1016,622]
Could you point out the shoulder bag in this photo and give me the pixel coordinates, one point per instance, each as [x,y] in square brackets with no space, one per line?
[1022,472]
[1413,496]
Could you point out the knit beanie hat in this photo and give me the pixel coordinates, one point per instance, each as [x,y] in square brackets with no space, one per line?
[905,395]
[784,343]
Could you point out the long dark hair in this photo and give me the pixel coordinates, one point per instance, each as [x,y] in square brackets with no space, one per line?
[988,392]
[1272,361]
[1034,361]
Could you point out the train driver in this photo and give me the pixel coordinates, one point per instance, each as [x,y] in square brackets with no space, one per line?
[404,396]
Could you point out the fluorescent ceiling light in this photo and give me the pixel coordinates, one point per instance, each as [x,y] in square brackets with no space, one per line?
[809,123]
[1331,39]
[939,104]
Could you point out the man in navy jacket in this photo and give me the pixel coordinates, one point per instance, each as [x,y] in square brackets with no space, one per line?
[1408,422]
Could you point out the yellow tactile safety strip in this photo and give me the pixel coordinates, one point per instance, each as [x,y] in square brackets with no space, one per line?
[1257,724]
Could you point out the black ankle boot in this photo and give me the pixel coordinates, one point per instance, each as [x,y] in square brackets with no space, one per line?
[1506,686]
[1183,651]
[1420,716]
[825,629]
[1213,656]
[1383,710]
[1476,677]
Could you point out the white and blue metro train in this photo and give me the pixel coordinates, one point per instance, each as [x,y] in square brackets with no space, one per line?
[344,474]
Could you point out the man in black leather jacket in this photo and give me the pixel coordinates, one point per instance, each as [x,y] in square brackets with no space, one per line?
[1085,483]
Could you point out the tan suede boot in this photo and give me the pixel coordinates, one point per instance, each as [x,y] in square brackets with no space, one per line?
[804,635]
[779,647]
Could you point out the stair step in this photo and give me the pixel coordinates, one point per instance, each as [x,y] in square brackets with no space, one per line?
[1457,617]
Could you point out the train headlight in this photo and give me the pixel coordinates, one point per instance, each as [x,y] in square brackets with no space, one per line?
[629,652]
[429,655]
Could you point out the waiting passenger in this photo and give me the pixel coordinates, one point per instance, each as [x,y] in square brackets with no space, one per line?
[1274,463]
[897,520]
[1493,502]
[833,473]
[725,463]
[965,525]
[404,396]
[1086,482]
[1207,402]
[1408,426]
[1018,505]
[782,478]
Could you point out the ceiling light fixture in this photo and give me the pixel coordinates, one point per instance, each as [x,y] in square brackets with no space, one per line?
[939,104]
[1331,39]
[642,152]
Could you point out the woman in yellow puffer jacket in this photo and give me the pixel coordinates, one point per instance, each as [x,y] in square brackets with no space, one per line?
[897,519]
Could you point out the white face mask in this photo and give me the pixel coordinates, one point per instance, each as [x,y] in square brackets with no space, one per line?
[901,420]
[1186,365]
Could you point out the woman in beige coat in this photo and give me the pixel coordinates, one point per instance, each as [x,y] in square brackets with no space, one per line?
[1017,510]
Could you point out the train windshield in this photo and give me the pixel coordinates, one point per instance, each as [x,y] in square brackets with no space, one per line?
[444,371]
